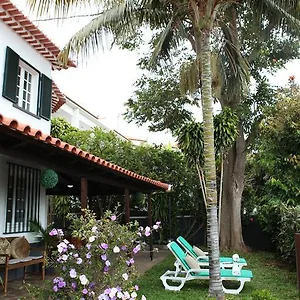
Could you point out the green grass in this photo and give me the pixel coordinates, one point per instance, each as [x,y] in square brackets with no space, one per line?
[268,275]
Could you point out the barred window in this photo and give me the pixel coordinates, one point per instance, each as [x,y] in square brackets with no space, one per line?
[23,196]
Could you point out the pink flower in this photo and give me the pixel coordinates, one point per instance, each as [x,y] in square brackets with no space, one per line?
[113,218]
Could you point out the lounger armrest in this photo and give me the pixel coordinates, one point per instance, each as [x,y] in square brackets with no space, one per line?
[202,257]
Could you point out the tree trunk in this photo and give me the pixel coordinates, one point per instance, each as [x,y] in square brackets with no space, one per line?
[215,283]
[234,175]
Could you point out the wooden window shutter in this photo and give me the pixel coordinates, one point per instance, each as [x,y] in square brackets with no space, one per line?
[10,75]
[45,97]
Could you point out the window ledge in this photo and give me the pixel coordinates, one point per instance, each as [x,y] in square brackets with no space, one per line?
[26,111]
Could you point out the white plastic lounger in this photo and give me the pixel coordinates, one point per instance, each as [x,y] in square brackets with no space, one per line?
[203,260]
[189,273]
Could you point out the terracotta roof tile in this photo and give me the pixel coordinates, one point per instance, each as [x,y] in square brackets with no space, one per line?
[54,142]
[58,98]
[17,21]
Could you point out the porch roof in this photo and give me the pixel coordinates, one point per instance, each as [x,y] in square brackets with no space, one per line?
[71,163]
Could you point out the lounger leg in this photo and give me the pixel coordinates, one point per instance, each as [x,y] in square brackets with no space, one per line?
[169,275]
[24,275]
[234,291]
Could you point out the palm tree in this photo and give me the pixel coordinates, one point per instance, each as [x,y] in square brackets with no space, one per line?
[189,19]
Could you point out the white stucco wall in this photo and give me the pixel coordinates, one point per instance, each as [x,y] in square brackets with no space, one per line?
[9,38]
[43,208]
[78,117]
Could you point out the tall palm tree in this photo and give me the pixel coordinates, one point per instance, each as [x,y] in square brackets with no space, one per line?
[177,20]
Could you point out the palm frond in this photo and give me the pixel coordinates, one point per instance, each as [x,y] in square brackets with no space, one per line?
[281,13]
[190,77]
[96,33]
[61,8]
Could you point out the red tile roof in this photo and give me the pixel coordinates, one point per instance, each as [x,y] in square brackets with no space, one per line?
[17,21]
[58,98]
[54,142]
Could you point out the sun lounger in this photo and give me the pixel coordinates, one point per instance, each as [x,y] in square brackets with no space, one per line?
[203,259]
[191,271]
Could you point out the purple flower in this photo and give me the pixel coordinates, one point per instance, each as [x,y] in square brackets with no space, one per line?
[123,248]
[79,261]
[53,232]
[84,291]
[73,273]
[104,257]
[104,246]
[92,285]
[55,288]
[88,255]
[106,268]
[136,249]
[136,287]
[74,285]
[89,246]
[107,263]
[113,218]
[61,284]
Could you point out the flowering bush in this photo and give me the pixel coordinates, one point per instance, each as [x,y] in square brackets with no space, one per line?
[103,268]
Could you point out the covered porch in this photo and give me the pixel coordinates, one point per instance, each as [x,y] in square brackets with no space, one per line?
[80,173]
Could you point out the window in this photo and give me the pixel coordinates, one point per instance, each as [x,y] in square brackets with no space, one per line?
[23,195]
[27,88]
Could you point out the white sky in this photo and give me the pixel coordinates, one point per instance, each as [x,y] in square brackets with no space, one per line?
[105,81]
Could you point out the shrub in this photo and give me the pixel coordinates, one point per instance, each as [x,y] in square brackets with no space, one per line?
[103,268]
[288,226]
[262,295]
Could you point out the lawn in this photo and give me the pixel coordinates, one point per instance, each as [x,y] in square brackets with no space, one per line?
[268,275]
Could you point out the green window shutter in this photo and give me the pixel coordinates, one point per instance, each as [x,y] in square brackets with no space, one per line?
[45,97]
[10,75]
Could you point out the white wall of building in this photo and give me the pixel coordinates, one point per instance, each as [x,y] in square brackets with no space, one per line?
[9,38]
[43,205]
[78,117]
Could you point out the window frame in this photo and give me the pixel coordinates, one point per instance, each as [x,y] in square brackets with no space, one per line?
[35,82]
[22,198]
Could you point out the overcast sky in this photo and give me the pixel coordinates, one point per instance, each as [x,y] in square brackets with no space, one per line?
[105,81]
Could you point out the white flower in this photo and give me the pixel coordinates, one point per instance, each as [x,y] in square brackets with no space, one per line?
[125,276]
[83,280]
[113,292]
[66,241]
[64,257]
[126,295]
[155,227]
[133,295]
[144,298]
[94,229]
[116,249]
[120,295]
[92,239]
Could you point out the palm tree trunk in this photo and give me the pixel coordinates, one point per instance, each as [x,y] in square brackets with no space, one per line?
[221,191]
[204,53]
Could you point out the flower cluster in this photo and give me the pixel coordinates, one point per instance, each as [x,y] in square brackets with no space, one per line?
[103,267]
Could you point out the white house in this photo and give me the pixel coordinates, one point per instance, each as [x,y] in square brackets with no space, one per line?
[27,98]
[80,117]
[28,95]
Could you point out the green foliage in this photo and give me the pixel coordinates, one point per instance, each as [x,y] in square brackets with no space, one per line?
[48,241]
[60,127]
[169,108]
[190,136]
[262,295]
